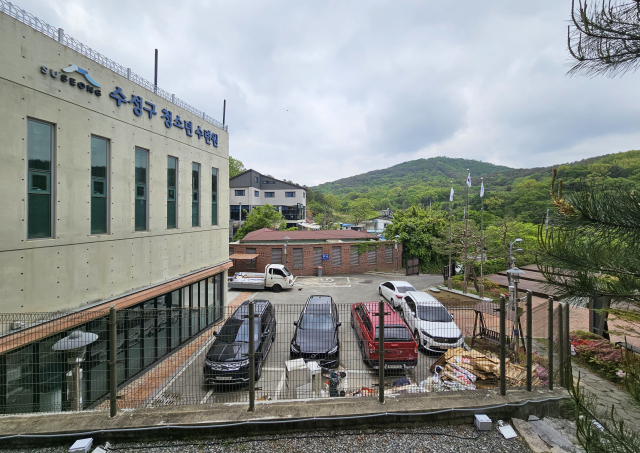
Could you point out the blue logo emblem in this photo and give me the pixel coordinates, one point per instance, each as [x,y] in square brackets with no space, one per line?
[84,72]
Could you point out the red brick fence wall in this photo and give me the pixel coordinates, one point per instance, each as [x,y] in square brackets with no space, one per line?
[302,259]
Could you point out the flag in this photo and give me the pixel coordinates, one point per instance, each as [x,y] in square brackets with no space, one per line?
[451,195]
[482,189]
[469,179]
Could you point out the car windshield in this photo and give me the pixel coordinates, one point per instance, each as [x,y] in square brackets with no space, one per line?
[236,330]
[286,271]
[433,314]
[394,333]
[404,289]
[316,321]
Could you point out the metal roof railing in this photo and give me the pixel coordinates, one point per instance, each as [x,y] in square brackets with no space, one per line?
[58,34]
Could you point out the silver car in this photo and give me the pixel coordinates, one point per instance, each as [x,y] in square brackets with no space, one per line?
[394,291]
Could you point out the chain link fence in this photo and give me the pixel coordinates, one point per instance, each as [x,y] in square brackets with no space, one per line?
[320,349]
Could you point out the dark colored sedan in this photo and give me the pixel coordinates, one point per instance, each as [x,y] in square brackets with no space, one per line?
[227,360]
[316,335]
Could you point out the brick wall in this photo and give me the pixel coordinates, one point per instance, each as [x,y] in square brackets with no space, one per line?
[330,267]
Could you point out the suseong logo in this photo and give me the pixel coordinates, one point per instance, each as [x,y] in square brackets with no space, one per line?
[91,86]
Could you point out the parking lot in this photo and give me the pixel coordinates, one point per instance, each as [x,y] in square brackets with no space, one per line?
[188,387]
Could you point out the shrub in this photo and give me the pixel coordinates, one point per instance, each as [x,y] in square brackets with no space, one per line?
[602,356]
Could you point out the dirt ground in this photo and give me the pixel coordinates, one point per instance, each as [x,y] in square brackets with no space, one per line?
[452,300]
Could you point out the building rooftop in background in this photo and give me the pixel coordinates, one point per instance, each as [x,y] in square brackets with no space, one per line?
[271,235]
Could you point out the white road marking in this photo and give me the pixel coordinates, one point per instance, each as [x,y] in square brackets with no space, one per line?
[325,282]
[206,397]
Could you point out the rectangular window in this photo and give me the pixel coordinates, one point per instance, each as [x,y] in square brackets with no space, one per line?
[234,212]
[355,257]
[40,167]
[256,193]
[336,255]
[250,264]
[388,254]
[256,179]
[276,256]
[172,192]
[214,196]
[142,158]
[99,184]
[304,194]
[195,194]
[372,258]
[289,194]
[239,193]
[298,258]
[269,194]
[245,212]
[317,256]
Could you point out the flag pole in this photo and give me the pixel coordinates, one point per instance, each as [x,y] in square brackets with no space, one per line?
[449,283]
[481,237]
[466,233]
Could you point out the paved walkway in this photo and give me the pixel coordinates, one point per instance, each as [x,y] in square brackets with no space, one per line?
[608,394]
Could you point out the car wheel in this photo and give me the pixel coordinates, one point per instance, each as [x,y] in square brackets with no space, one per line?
[352,326]
[276,288]
[259,371]
[379,290]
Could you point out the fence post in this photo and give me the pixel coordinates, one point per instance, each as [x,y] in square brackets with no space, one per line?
[567,347]
[252,364]
[550,341]
[113,356]
[561,342]
[503,346]
[381,352]
[529,340]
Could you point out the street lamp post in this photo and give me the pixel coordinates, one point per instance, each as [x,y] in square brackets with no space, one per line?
[511,257]
[396,238]
[286,256]
[515,274]
[75,347]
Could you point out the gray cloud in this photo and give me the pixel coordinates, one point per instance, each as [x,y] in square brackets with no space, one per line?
[321,90]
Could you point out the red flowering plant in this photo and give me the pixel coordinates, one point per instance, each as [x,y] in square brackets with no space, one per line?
[598,354]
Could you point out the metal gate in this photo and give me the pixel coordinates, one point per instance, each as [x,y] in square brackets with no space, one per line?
[413,267]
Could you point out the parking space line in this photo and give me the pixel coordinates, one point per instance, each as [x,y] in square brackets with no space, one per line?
[207,396]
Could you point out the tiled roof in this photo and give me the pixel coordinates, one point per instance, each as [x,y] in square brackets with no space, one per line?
[269,234]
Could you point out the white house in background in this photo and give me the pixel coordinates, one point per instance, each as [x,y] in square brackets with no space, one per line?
[377,224]
[250,189]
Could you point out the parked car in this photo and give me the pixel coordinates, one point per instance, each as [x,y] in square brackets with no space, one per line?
[316,334]
[275,276]
[432,325]
[401,350]
[394,291]
[226,361]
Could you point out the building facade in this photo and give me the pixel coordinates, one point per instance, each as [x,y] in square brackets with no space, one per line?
[251,189]
[337,251]
[114,195]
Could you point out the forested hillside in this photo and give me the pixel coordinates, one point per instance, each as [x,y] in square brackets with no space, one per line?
[521,194]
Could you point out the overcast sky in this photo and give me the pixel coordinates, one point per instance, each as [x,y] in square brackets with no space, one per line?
[320,90]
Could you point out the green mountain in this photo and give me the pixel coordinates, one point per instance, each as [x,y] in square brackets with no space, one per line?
[519,193]
[435,170]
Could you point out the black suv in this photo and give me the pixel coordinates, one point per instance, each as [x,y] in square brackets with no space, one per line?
[227,360]
[316,335]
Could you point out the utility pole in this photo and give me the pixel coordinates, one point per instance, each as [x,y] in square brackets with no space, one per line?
[324,219]
[449,283]
[466,233]
[481,237]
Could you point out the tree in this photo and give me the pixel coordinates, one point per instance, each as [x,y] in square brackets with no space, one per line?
[592,244]
[261,217]
[419,229]
[501,234]
[360,209]
[604,37]
[235,167]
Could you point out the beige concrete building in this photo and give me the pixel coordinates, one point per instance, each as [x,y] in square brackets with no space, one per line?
[115,192]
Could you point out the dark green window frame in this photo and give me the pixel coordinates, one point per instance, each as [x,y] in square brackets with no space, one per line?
[172,192]
[214,196]
[40,145]
[99,185]
[140,191]
[195,194]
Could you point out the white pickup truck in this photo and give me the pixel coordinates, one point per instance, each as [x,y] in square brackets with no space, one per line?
[276,276]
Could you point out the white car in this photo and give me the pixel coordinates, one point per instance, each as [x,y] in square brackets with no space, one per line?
[431,323]
[394,291]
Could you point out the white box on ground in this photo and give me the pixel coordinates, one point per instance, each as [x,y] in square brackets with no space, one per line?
[297,373]
[482,422]
[81,445]
[315,374]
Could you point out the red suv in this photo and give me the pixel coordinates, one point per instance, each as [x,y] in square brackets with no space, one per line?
[401,350]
